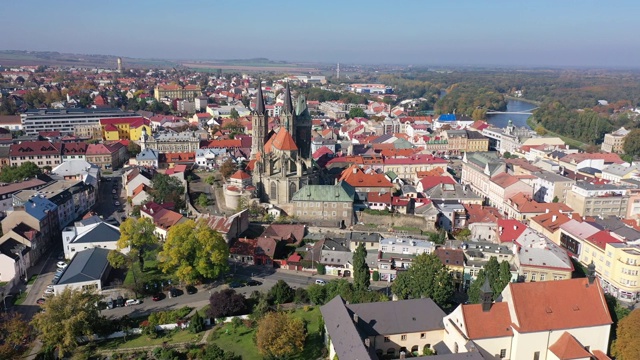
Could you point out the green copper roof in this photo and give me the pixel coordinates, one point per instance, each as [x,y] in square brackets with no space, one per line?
[341,192]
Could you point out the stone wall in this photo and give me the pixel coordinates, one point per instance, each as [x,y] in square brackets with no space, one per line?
[388,221]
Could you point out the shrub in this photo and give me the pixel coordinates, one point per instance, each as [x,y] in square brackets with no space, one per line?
[281,293]
[322,270]
[196,324]
[376,276]
[301,296]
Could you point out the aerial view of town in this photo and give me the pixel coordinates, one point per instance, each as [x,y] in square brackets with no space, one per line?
[329,180]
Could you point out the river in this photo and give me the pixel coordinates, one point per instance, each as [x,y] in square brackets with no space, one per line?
[519,120]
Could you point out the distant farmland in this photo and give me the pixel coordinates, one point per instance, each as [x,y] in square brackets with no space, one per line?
[249,66]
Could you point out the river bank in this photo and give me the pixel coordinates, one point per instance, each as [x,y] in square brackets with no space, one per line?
[531,121]
[532,102]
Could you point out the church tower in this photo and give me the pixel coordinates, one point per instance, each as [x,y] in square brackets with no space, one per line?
[260,125]
[287,116]
[302,124]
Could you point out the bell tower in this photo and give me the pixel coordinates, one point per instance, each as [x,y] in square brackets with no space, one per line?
[287,117]
[260,125]
[302,126]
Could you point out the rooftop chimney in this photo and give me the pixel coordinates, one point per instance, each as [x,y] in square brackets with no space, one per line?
[355,318]
[591,273]
[554,218]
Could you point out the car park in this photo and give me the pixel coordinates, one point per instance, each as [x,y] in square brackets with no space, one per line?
[254,283]
[191,289]
[131,302]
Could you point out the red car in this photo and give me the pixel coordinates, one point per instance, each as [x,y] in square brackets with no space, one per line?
[158,297]
[41,301]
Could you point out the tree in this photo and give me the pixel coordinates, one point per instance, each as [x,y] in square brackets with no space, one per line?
[301,296]
[13,334]
[133,149]
[194,251]
[499,277]
[137,235]
[27,169]
[196,323]
[227,303]
[427,277]
[280,335]
[540,130]
[376,275]
[627,346]
[361,275]
[281,293]
[321,269]
[234,114]
[555,199]
[227,168]
[67,317]
[167,189]
[203,200]
[317,294]
[463,234]
[631,144]
[357,112]
[214,352]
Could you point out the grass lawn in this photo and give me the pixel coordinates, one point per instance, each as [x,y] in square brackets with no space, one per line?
[32,279]
[3,283]
[134,341]
[20,298]
[240,340]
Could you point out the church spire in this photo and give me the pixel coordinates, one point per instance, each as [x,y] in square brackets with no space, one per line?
[288,102]
[260,100]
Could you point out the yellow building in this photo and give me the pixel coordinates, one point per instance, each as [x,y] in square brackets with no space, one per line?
[617,264]
[124,129]
[175,91]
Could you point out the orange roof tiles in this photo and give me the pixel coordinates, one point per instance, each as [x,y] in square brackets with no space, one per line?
[602,238]
[281,141]
[568,348]
[482,214]
[375,197]
[551,221]
[355,177]
[509,230]
[504,180]
[241,175]
[564,304]
[487,324]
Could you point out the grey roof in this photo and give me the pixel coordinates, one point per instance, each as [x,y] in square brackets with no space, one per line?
[364,236]
[450,192]
[100,233]
[618,227]
[11,247]
[147,154]
[396,317]
[345,337]
[591,186]
[87,265]
[260,100]
[288,103]
[620,169]
[552,177]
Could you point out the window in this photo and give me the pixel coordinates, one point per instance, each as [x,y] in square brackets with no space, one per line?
[386,339]
[536,355]
[503,353]
[403,337]
[533,276]
[423,336]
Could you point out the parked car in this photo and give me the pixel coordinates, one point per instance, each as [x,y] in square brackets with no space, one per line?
[116,203]
[61,264]
[173,292]
[110,304]
[114,191]
[131,302]
[49,292]
[254,283]
[320,282]
[191,289]
[119,301]
[50,286]
[41,301]
[158,297]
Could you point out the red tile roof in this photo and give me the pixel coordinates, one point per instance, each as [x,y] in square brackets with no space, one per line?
[602,238]
[482,214]
[221,144]
[551,221]
[429,182]
[110,127]
[162,217]
[376,197]
[450,257]
[355,177]
[568,348]
[504,180]
[75,148]
[294,232]
[267,246]
[29,148]
[561,304]
[133,121]
[240,175]
[322,151]
[281,141]
[487,324]
[509,230]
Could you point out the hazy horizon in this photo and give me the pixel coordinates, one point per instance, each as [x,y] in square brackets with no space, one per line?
[463,33]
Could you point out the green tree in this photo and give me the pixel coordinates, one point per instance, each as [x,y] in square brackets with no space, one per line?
[317,294]
[555,199]
[194,251]
[203,200]
[234,114]
[280,335]
[137,235]
[427,277]
[13,333]
[631,144]
[167,189]
[28,169]
[361,275]
[376,275]
[281,293]
[627,346]
[67,317]
[321,269]
[133,149]
[356,112]
[196,323]
[499,277]
[227,168]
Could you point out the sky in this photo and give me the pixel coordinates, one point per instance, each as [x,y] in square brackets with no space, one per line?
[559,33]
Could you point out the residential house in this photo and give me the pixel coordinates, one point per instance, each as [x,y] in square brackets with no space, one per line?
[370,240]
[503,186]
[509,230]
[288,233]
[573,233]
[41,153]
[230,227]
[87,271]
[452,215]
[450,193]
[14,262]
[206,158]
[325,204]
[251,252]
[522,207]
[551,187]
[478,168]
[162,218]
[80,170]
[74,151]
[618,172]
[88,234]
[148,158]
[614,141]
[548,224]
[482,221]
[134,178]
[129,128]
[588,199]
[539,259]
[365,182]
[7,191]
[107,156]
[534,320]
[478,253]
[397,254]
[140,194]
[379,201]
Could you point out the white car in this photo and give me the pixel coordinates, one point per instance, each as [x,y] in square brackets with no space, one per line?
[50,287]
[114,191]
[131,302]
[49,292]
[117,203]
[62,264]
[320,282]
